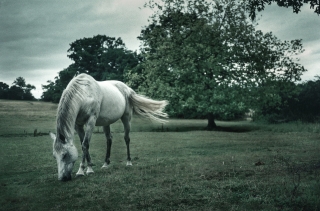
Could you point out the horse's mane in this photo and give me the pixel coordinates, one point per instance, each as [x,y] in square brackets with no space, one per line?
[69,106]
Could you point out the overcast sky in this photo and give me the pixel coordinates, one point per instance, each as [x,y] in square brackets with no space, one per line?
[35,34]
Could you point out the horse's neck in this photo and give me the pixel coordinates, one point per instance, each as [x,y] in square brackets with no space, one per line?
[66,124]
[67,132]
[71,102]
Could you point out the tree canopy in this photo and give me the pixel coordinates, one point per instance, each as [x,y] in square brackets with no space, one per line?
[208,58]
[103,57]
[258,5]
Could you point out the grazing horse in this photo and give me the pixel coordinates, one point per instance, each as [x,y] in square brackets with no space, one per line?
[86,103]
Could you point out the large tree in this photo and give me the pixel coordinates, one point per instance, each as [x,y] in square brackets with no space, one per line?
[206,57]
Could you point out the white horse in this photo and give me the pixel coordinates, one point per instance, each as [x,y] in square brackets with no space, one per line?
[87,102]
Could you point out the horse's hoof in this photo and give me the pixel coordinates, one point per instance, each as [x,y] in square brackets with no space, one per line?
[79,175]
[105,166]
[89,170]
[129,163]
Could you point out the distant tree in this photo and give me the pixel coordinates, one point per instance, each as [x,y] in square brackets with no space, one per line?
[20,82]
[15,93]
[307,103]
[298,102]
[280,104]
[258,5]
[51,92]
[206,58]
[306,108]
[20,90]
[4,89]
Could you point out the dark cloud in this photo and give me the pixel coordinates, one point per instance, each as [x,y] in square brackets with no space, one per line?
[35,35]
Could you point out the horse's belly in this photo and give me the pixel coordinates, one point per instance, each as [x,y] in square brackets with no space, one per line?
[112,106]
[107,120]
[110,113]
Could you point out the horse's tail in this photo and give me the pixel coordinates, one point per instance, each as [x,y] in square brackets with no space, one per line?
[146,107]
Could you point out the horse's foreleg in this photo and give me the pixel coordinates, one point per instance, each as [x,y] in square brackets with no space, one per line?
[126,124]
[85,145]
[108,135]
[81,133]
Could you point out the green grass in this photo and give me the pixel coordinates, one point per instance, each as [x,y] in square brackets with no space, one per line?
[177,166]
[18,118]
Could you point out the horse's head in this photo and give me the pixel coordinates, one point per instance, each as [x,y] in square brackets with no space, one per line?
[66,154]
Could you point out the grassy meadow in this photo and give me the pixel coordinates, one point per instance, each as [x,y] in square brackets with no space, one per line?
[176,166]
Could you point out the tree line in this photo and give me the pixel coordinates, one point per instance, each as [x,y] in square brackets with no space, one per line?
[19,90]
[299,102]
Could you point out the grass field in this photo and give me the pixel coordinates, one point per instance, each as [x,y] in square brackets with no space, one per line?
[176,166]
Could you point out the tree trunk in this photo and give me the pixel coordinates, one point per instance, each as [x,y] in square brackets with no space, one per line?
[211,124]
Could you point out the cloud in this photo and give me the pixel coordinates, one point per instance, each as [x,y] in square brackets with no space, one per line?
[287,25]
[310,59]
[35,35]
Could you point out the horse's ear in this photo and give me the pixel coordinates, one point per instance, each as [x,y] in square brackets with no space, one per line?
[53,136]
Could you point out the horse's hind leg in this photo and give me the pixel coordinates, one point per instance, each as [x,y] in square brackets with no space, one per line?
[108,135]
[126,124]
